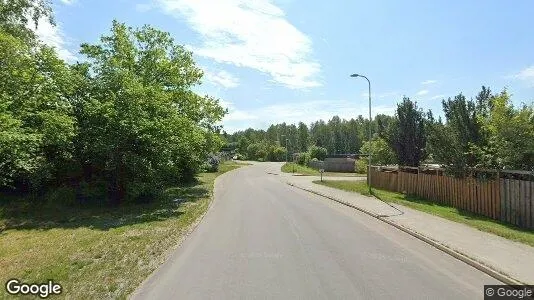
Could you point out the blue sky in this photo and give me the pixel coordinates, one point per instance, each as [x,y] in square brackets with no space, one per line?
[273,61]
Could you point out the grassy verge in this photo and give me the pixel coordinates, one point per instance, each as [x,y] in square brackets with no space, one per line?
[99,252]
[482,223]
[289,167]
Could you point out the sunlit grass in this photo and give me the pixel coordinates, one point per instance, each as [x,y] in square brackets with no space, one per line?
[100,252]
[482,223]
[296,168]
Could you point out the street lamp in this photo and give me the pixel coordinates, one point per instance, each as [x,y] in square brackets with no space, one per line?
[370,148]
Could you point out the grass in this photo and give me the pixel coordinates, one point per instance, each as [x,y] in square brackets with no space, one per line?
[99,252]
[289,167]
[482,223]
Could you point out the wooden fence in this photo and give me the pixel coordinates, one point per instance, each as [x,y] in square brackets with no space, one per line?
[507,200]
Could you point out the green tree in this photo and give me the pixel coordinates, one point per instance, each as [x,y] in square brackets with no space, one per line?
[243,145]
[37,125]
[382,152]
[303,137]
[511,135]
[257,151]
[456,143]
[318,152]
[143,124]
[18,17]
[276,153]
[407,134]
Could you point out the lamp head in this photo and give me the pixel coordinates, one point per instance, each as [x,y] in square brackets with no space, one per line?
[355,75]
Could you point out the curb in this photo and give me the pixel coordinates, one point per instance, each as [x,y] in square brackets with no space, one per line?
[454,253]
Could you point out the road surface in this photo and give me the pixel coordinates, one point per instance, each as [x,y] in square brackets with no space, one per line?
[263,239]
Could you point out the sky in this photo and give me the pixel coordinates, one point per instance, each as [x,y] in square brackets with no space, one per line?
[273,61]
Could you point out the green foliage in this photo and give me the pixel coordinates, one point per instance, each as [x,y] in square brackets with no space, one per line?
[303,158]
[243,144]
[240,156]
[140,121]
[212,165]
[510,134]
[303,137]
[361,165]
[17,17]
[382,154]
[255,151]
[317,152]
[486,133]
[276,153]
[337,135]
[123,124]
[37,127]
[407,134]
[456,143]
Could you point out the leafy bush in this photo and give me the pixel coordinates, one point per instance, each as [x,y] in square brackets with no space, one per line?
[213,164]
[318,152]
[303,158]
[382,153]
[127,116]
[62,196]
[361,166]
[143,192]
[277,153]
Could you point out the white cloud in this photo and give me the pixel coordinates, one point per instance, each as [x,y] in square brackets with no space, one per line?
[68,2]
[252,34]
[235,114]
[54,37]
[429,81]
[422,92]
[221,78]
[526,75]
[306,112]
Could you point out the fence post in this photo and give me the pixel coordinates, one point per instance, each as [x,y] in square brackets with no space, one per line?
[398,179]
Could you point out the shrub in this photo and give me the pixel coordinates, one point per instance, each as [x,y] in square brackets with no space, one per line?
[212,165]
[277,153]
[303,158]
[361,166]
[382,153]
[318,152]
[61,196]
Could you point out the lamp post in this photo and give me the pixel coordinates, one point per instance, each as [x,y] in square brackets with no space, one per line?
[370,148]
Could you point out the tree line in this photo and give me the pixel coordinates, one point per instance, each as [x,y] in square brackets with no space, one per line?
[119,125]
[486,132]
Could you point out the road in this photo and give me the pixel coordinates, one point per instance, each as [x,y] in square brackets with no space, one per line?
[263,239]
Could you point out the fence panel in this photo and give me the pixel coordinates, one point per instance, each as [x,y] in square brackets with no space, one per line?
[508,200]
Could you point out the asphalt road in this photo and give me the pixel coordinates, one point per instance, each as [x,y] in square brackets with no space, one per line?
[263,239]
